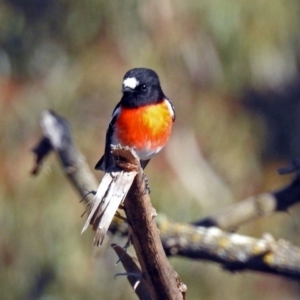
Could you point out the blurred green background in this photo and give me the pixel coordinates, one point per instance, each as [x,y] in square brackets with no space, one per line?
[231,69]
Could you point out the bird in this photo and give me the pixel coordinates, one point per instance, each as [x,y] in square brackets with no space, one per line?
[142,120]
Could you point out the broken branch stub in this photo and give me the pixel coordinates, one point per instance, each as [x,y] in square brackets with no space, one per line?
[112,191]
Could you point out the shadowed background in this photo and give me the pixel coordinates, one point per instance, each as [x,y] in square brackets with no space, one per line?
[231,70]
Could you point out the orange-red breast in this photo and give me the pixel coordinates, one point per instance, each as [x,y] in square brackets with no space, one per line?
[141,120]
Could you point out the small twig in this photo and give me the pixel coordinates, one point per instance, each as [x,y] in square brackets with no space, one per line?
[233,216]
[132,266]
[254,207]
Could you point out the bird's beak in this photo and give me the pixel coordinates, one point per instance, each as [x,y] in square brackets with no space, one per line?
[127,89]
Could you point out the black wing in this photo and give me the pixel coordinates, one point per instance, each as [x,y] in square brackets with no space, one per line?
[106,160]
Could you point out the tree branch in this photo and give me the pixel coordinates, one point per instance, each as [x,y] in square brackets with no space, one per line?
[133,272]
[278,258]
[57,137]
[254,207]
[163,282]
[235,252]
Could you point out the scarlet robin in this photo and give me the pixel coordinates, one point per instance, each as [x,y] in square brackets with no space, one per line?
[141,120]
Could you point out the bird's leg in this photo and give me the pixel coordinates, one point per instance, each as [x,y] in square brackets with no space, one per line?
[147,190]
[147,186]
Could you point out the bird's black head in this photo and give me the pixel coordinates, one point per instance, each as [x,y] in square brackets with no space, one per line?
[141,86]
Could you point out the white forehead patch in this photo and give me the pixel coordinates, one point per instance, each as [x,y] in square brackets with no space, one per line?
[131,82]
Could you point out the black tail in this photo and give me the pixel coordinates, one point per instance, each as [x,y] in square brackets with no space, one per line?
[101,164]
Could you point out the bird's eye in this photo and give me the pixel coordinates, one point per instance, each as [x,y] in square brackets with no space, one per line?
[144,88]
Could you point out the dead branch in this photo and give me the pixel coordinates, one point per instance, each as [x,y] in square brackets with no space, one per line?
[235,252]
[184,239]
[247,210]
[231,217]
[57,137]
[163,281]
[110,195]
[133,273]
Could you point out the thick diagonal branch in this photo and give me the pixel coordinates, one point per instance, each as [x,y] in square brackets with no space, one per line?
[162,280]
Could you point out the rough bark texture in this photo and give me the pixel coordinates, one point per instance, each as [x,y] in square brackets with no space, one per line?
[234,251]
[163,281]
